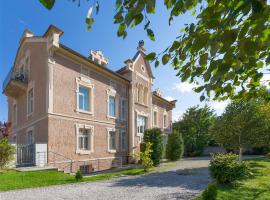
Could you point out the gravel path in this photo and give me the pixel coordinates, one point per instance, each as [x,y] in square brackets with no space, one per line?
[184,180]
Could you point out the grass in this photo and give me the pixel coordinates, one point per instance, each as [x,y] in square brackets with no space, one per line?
[256,187]
[11,179]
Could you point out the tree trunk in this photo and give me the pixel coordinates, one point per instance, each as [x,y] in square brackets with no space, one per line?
[240,153]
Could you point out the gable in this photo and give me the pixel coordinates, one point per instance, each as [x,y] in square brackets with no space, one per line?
[142,66]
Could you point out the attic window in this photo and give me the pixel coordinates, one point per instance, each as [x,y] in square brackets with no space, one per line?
[143,68]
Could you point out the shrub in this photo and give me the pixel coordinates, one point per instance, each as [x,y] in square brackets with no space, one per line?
[78,176]
[210,193]
[154,136]
[6,153]
[145,157]
[175,146]
[225,168]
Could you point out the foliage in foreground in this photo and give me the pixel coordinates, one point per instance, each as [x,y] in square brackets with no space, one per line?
[255,187]
[78,176]
[210,193]
[6,153]
[175,146]
[194,127]
[145,157]
[244,124]
[226,168]
[154,136]
[226,46]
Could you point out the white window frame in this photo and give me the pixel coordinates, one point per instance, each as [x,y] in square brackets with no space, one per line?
[143,68]
[123,109]
[108,140]
[111,92]
[91,135]
[165,115]
[87,84]
[33,99]
[155,110]
[146,123]
[121,137]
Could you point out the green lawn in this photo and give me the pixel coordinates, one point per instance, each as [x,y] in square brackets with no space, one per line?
[10,180]
[256,187]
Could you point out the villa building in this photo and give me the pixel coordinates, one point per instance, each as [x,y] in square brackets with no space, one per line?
[70,110]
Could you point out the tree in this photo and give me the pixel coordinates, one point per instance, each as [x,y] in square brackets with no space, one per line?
[194,127]
[225,52]
[6,153]
[175,146]
[154,136]
[244,124]
[145,157]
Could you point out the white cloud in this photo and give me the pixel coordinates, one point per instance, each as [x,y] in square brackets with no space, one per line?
[169,98]
[176,114]
[184,87]
[219,106]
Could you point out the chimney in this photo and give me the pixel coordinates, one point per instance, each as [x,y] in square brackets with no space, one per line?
[26,34]
[141,47]
[98,57]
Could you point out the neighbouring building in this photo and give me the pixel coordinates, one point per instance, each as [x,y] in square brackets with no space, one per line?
[71,111]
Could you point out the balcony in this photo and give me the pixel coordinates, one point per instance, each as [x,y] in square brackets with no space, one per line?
[15,83]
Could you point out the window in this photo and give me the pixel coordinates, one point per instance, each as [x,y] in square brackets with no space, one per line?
[165,121]
[85,169]
[14,114]
[141,124]
[112,140]
[111,106]
[30,137]
[84,139]
[143,68]
[30,101]
[123,140]
[123,109]
[155,115]
[145,96]
[111,101]
[84,98]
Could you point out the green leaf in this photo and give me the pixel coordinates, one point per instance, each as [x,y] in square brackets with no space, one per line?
[151,56]
[121,30]
[89,22]
[138,19]
[202,98]
[150,34]
[156,63]
[47,3]
[165,59]
[175,46]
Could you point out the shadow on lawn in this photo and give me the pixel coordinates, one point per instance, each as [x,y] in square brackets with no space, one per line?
[196,179]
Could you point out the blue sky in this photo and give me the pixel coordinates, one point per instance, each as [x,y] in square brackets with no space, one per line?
[17,15]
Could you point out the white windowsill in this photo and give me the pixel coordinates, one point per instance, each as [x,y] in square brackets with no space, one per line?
[111,117]
[83,152]
[112,151]
[84,111]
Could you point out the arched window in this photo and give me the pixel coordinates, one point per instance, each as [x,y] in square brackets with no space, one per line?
[145,96]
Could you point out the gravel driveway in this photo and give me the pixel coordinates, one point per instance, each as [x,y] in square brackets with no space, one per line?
[183,180]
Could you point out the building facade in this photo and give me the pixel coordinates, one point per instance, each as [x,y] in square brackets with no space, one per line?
[71,110]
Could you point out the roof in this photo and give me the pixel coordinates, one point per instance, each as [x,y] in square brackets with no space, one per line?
[53,27]
[172,103]
[92,62]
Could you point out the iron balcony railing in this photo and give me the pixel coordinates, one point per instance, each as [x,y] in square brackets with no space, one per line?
[17,75]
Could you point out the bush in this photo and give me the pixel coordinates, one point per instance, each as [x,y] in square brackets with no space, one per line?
[154,136]
[78,176]
[210,193]
[225,168]
[6,153]
[175,146]
[145,157]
